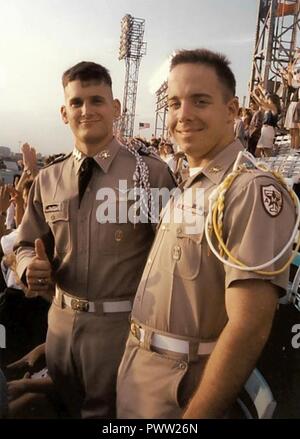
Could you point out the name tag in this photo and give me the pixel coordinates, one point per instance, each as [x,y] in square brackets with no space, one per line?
[55,207]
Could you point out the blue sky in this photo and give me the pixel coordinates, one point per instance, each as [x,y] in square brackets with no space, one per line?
[39,39]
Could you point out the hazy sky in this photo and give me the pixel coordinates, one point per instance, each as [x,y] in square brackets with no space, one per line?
[39,39]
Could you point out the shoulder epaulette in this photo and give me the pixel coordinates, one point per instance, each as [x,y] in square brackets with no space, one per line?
[150,152]
[143,150]
[140,147]
[61,158]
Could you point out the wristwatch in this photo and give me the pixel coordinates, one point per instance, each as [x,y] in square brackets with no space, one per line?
[27,172]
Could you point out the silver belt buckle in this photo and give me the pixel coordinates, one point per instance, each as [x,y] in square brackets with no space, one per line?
[80,305]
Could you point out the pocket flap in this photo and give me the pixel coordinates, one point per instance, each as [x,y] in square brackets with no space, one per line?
[195,237]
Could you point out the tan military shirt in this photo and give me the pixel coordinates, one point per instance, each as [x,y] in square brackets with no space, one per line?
[92,260]
[182,290]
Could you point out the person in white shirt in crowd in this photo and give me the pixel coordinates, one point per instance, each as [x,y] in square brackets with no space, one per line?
[239,129]
[291,77]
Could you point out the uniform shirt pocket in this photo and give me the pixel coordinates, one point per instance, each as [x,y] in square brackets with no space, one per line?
[180,253]
[118,234]
[57,217]
[187,254]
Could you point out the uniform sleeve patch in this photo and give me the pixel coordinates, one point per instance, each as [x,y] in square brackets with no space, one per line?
[272,200]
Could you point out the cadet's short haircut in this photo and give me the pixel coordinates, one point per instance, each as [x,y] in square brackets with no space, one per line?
[86,71]
[217,61]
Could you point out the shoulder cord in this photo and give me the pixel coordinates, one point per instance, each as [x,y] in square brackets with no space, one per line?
[141,182]
[214,221]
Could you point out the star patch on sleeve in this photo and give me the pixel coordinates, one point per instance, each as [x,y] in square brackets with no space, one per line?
[272,200]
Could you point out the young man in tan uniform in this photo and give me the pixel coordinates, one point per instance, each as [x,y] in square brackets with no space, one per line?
[96,266]
[199,326]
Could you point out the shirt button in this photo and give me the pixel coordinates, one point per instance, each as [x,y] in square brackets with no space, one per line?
[119,235]
[149,261]
[176,253]
[163,227]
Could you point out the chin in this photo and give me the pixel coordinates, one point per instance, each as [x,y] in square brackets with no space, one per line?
[93,139]
[187,147]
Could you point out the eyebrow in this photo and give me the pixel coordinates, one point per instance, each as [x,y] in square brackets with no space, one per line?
[193,96]
[77,98]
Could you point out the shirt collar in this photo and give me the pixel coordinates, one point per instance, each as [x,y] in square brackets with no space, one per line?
[219,165]
[103,158]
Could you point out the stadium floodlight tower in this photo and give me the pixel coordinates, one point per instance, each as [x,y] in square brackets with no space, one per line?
[132,48]
[161,110]
[278,22]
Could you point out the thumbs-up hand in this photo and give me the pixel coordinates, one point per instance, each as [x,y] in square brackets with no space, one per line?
[40,250]
[38,273]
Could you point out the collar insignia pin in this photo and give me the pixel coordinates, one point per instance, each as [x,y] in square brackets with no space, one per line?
[77,154]
[104,155]
[215,169]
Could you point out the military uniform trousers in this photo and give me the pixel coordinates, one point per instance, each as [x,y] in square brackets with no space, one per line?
[164,387]
[83,352]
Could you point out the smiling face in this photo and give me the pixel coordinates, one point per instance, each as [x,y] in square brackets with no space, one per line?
[90,110]
[200,116]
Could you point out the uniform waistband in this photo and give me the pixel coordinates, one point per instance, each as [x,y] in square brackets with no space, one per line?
[149,338]
[63,299]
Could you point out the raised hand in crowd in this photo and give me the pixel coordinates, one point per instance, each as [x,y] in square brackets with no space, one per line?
[17,199]
[30,170]
[5,192]
[16,196]
[4,204]
[29,158]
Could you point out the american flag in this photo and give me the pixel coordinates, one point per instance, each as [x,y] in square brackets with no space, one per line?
[144,125]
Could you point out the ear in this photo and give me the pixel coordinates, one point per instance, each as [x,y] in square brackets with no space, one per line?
[117,108]
[63,113]
[233,108]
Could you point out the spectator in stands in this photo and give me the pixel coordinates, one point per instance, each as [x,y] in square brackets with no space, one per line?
[255,127]
[166,152]
[246,118]
[8,240]
[239,129]
[31,392]
[154,142]
[292,121]
[271,104]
